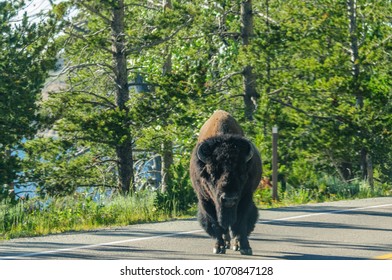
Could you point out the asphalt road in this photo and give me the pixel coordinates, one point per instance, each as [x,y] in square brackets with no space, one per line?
[346,230]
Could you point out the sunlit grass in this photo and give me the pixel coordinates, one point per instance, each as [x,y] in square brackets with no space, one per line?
[75,213]
[329,189]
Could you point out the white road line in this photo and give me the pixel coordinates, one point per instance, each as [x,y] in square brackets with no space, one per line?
[97,245]
[70,249]
[325,213]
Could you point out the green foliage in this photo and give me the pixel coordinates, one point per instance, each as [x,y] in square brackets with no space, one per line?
[305,68]
[27,53]
[76,212]
[263,197]
[327,188]
[87,113]
[54,167]
[179,197]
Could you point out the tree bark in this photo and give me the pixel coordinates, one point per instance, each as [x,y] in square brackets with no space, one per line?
[370,170]
[167,161]
[124,151]
[250,94]
[249,79]
[246,22]
[355,60]
[352,13]
[167,146]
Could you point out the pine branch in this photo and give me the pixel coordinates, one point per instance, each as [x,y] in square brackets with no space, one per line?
[107,101]
[159,42]
[86,65]
[267,18]
[299,109]
[95,11]
[222,81]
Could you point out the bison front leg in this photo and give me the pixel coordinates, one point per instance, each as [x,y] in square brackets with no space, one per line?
[211,226]
[236,245]
[220,244]
[242,230]
[227,239]
[241,243]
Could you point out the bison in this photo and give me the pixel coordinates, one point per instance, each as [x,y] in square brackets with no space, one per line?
[225,170]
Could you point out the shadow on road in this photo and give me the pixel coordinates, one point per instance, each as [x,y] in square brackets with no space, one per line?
[323,225]
[294,256]
[329,209]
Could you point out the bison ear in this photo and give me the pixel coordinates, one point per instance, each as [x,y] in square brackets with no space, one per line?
[204,151]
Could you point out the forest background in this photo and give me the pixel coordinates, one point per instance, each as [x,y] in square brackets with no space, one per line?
[90,90]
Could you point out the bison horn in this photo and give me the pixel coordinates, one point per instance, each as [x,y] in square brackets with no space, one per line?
[203,152]
[250,154]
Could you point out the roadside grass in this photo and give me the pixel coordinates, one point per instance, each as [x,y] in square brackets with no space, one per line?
[329,189]
[42,216]
[75,213]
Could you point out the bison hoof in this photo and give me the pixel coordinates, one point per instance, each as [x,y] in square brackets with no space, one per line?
[220,250]
[248,251]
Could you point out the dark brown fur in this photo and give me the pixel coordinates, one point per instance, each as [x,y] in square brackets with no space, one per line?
[225,170]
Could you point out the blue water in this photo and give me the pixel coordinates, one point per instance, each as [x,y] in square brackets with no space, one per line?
[147,171]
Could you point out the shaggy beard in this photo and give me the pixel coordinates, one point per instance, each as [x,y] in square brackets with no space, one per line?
[227,216]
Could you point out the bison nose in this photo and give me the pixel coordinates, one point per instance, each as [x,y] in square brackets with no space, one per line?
[229,201]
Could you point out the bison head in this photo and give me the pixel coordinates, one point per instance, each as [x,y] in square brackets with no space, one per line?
[224,162]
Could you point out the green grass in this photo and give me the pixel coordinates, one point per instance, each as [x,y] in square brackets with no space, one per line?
[328,189]
[75,213]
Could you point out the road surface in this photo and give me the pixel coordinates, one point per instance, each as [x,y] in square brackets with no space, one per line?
[345,230]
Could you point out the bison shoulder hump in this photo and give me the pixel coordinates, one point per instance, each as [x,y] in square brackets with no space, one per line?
[220,123]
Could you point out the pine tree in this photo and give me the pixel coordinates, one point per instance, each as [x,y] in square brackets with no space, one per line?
[27,54]
[329,78]
[111,98]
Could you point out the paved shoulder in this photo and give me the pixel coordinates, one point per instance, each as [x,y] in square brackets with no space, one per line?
[358,229]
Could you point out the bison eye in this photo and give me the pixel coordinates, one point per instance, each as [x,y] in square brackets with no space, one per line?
[214,170]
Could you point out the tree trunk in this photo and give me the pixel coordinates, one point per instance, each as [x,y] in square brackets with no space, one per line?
[250,94]
[353,28]
[249,79]
[268,65]
[125,167]
[352,13]
[246,22]
[167,146]
[370,171]
[167,161]
[124,148]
